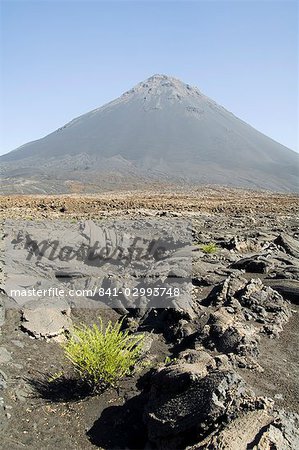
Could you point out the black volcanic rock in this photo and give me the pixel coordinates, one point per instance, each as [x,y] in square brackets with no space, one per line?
[163,130]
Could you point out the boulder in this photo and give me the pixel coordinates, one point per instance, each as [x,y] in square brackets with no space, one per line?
[195,400]
[46,320]
[265,302]
[289,244]
[252,299]
[228,334]
[239,434]
[289,289]
[253,264]
[241,245]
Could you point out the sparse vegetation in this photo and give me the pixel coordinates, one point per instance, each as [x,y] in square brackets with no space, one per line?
[209,248]
[168,360]
[101,356]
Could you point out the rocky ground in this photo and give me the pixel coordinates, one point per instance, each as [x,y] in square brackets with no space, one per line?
[222,374]
[156,201]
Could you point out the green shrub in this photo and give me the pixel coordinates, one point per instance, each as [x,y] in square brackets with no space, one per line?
[103,356]
[209,248]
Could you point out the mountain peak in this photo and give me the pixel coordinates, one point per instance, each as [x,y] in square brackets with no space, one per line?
[158,77]
[159,84]
[162,129]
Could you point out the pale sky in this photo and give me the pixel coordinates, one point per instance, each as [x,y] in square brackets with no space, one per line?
[60,59]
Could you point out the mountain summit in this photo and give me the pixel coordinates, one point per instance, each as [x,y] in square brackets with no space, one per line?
[160,130]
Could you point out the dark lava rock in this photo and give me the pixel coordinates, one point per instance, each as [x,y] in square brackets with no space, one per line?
[252,295]
[254,264]
[289,244]
[241,244]
[190,406]
[260,299]
[227,333]
[289,289]
[240,301]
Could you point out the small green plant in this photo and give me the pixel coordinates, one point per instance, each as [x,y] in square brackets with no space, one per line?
[103,356]
[209,248]
[168,360]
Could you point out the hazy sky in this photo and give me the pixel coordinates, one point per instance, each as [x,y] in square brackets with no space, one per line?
[60,59]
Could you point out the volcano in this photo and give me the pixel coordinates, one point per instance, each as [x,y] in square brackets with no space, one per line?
[162,130]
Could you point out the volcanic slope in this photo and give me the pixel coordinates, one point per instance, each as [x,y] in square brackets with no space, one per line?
[162,130]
